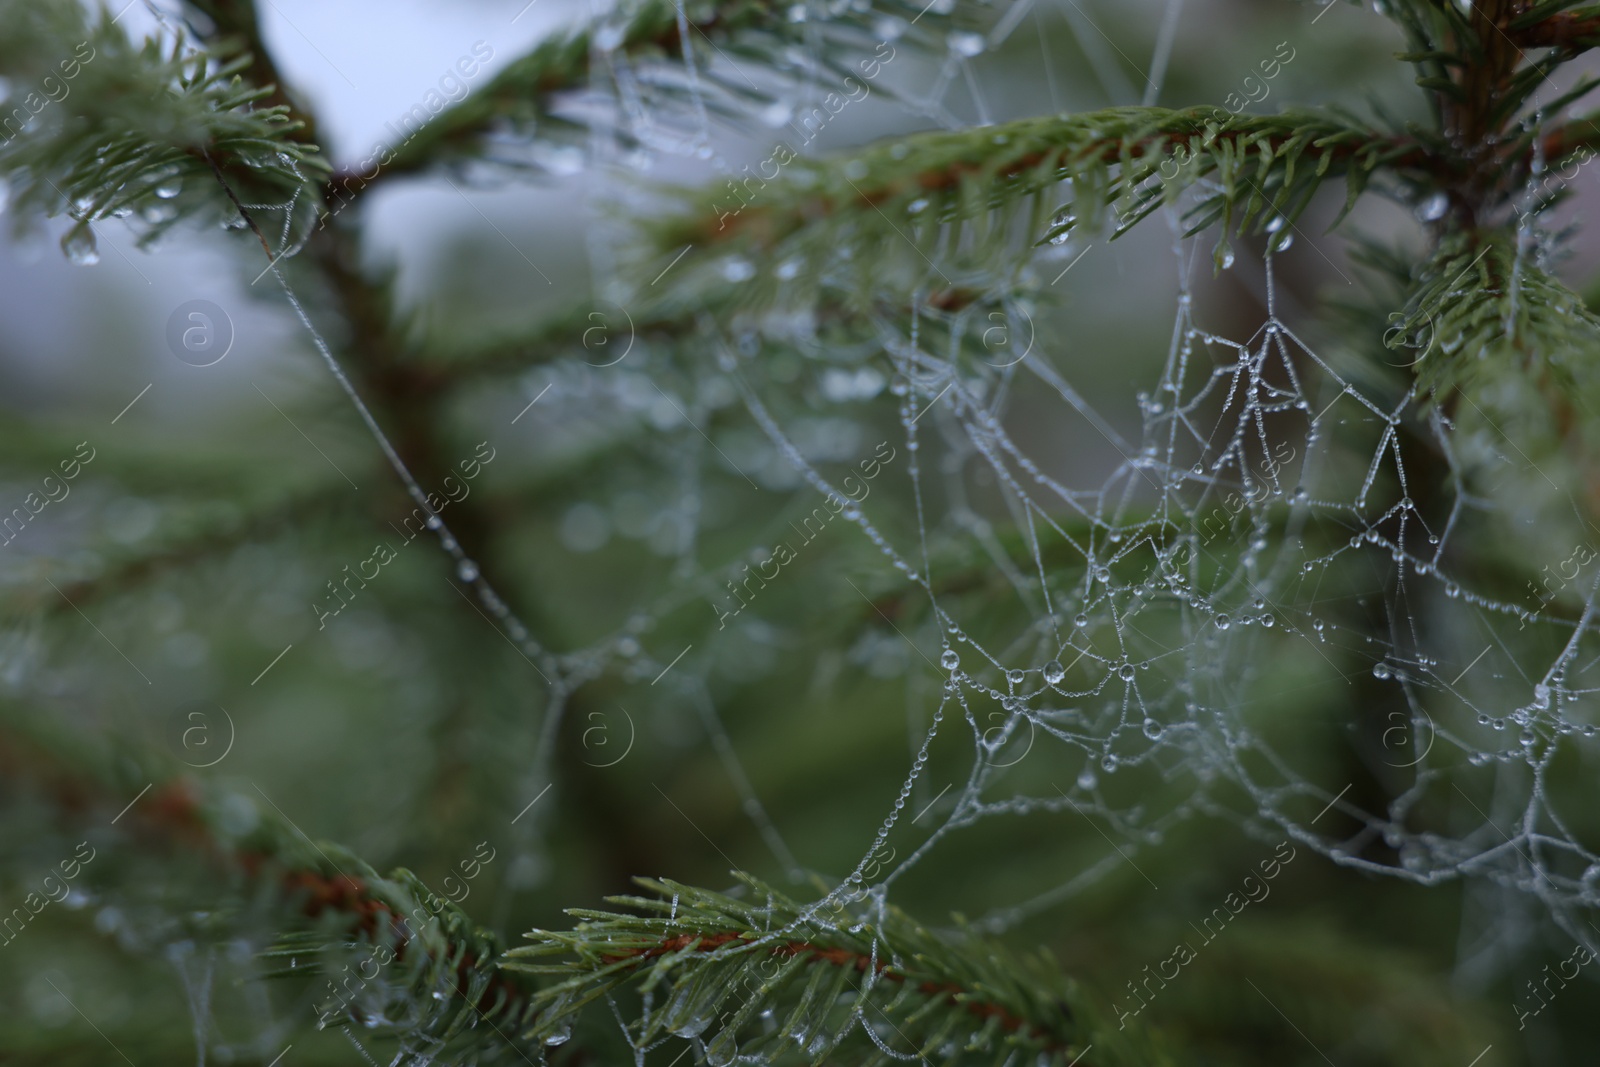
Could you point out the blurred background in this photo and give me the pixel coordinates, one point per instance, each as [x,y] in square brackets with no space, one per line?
[171,606]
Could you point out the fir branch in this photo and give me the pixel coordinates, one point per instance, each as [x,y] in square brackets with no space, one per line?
[1491,321]
[234,27]
[137,128]
[525,100]
[1580,137]
[1562,24]
[215,537]
[766,978]
[964,190]
[438,986]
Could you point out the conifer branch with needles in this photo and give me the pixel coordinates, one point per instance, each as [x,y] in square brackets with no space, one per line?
[139,130]
[527,100]
[434,982]
[859,983]
[755,974]
[1049,178]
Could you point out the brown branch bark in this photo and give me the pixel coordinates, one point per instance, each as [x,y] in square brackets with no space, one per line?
[171,817]
[1577,30]
[953,993]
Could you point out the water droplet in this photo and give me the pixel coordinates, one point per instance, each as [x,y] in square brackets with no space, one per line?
[1080,620]
[1126,673]
[1063,219]
[1054,672]
[168,190]
[1109,763]
[841,385]
[467,571]
[951,659]
[1227,258]
[1268,621]
[79,245]
[434,522]
[966,44]
[1014,677]
[1223,621]
[738,269]
[1275,223]
[1381,672]
[1541,696]
[1153,730]
[1433,208]
[917,206]
[1591,877]
[722,1050]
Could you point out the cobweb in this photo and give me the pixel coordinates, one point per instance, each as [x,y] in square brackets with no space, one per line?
[1274,504]
[1278,528]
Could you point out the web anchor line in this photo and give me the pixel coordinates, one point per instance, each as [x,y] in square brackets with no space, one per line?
[466,569]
